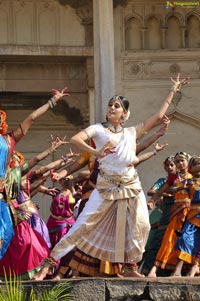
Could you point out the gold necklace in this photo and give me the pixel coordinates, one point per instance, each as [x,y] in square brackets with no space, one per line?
[112,129]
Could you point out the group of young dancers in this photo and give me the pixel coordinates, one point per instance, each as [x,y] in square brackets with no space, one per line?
[109,233]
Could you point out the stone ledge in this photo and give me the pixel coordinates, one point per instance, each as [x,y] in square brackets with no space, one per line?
[129,289]
[46,50]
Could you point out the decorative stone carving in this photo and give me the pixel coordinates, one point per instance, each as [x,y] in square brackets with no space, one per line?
[137,70]
[174,68]
[132,69]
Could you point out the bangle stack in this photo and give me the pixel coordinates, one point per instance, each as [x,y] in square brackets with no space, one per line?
[52,103]
[50,261]
[65,159]
[174,188]
[154,152]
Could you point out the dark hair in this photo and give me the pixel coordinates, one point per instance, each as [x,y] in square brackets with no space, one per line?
[184,155]
[123,100]
[170,158]
[194,160]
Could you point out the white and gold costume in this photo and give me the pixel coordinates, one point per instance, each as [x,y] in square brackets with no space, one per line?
[114,224]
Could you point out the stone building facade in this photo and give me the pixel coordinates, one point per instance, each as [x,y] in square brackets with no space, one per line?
[99,48]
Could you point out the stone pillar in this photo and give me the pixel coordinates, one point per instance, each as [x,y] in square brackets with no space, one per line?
[183,30]
[163,30]
[143,37]
[103,56]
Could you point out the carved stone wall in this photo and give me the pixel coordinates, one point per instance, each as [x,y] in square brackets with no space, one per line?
[28,22]
[153,43]
[43,46]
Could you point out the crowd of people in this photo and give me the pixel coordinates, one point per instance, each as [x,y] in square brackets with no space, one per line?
[100,222]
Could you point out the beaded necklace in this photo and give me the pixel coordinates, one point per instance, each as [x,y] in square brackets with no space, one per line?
[111,128]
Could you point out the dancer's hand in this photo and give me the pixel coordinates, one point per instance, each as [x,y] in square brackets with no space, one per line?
[57,95]
[71,154]
[57,142]
[164,127]
[52,191]
[57,176]
[107,149]
[159,147]
[177,83]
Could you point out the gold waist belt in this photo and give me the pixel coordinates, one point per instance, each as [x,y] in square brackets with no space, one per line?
[28,206]
[115,179]
[183,200]
[61,217]
[195,207]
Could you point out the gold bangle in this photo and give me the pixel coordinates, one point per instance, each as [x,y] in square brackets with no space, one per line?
[155,152]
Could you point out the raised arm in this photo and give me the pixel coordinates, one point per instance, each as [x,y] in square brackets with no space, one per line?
[159,193]
[55,144]
[154,119]
[80,162]
[26,124]
[157,148]
[149,141]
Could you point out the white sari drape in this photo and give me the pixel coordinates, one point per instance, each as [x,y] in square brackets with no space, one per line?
[114,225]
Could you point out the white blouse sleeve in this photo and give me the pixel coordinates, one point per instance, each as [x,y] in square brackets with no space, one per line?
[140,130]
[91,131]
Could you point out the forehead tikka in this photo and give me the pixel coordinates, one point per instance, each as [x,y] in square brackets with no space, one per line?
[120,99]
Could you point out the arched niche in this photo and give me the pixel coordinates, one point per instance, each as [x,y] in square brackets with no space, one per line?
[3,27]
[23,27]
[173,33]
[133,35]
[153,34]
[192,39]
[47,27]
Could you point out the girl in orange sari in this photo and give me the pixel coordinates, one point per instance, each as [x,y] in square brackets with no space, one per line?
[178,212]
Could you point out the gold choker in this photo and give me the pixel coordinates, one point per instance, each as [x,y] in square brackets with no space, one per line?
[112,129]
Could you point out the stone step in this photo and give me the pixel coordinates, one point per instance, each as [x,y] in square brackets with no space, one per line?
[128,289]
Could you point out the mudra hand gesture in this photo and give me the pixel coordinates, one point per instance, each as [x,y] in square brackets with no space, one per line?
[57,141]
[159,147]
[178,83]
[107,149]
[59,94]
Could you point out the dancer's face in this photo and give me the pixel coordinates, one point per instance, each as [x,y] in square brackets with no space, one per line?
[115,111]
[170,167]
[181,163]
[195,166]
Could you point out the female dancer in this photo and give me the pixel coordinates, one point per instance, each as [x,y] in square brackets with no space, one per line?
[61,218]
[187,245]
[30,243]
[80,262]
[167,202]
[114,224]
[178,213]
[7,144]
